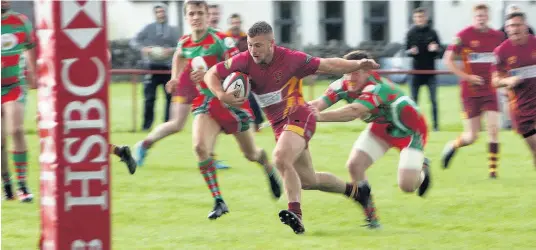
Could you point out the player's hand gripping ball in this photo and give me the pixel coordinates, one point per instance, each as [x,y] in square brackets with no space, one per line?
[238,84]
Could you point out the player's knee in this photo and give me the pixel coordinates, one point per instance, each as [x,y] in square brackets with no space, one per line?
[281,160]
[471,137]
[406,186]
[201,150]
[177,125]
[355,165]
[251,156]
[17,132]
[307,185]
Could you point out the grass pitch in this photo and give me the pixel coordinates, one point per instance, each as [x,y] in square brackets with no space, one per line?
[165,204]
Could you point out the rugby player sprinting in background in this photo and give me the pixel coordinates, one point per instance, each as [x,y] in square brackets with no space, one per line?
[205,46]
[276,74]
[395,121]
[475,45]
[186,90]
[18,51]
[515,69]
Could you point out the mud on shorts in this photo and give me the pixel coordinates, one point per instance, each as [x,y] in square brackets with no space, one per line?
[473,106]
[15,92]
[231,120]
[300,121]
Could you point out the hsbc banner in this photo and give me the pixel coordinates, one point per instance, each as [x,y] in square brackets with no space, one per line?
[73,125]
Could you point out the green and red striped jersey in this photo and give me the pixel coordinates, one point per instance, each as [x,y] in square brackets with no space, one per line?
[213,47]
[387,103]
[16,38]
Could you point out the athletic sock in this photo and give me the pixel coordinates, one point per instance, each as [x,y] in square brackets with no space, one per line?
[295,208]
[146,143]
[351,190]
[6,179]
[493,157]
[116,150]
[209,173]
[20,159]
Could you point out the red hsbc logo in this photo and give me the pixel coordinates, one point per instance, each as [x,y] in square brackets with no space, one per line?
[73,111]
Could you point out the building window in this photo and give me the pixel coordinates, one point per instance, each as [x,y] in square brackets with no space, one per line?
[377,20]
[332,20]
[428,5]
[285,21]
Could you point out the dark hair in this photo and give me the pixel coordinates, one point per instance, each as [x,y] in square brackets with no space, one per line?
[260,28]
[357,55]
[516,14]
[419,10]
[213,6]
[196,3]
[235,15]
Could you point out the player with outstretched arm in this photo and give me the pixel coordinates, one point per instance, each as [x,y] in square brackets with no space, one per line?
[276,74]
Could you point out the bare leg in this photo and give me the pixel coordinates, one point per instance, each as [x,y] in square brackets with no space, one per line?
[14,116]
[205,132]
[468,137]
[179,116]
[246,141]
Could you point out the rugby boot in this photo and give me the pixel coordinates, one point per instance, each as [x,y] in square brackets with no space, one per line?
[8,192]
[24,195]
[275,185]
[220,165]
[427,178]
[292,220]
[273,178]
[364,198]
[126,157]
[140,153]
[448,153]
[220,208]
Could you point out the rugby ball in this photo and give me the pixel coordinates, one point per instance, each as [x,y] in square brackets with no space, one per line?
[157,53]
[237,81]
[198,63]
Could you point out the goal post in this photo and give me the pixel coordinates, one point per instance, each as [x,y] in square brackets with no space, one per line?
[73,76]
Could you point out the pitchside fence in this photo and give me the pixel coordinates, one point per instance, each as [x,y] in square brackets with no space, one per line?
[135,76]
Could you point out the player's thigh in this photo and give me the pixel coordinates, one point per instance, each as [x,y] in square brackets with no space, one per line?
[14,116]
[288,148]
[368,148]
[204,133]
[3,128]
[472,125]
[180,113]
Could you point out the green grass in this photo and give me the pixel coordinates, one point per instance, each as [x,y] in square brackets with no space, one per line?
[165,204]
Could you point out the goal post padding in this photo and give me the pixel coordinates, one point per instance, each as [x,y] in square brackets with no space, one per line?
[73,76]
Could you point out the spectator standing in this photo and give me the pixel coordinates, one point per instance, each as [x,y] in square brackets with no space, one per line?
[422,44]
[240,38]
[214,16]
[156,42]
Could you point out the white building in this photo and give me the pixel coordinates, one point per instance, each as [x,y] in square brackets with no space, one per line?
[314,22]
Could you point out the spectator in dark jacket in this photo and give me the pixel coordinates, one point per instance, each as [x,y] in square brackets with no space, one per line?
[423,44]
[156,42]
